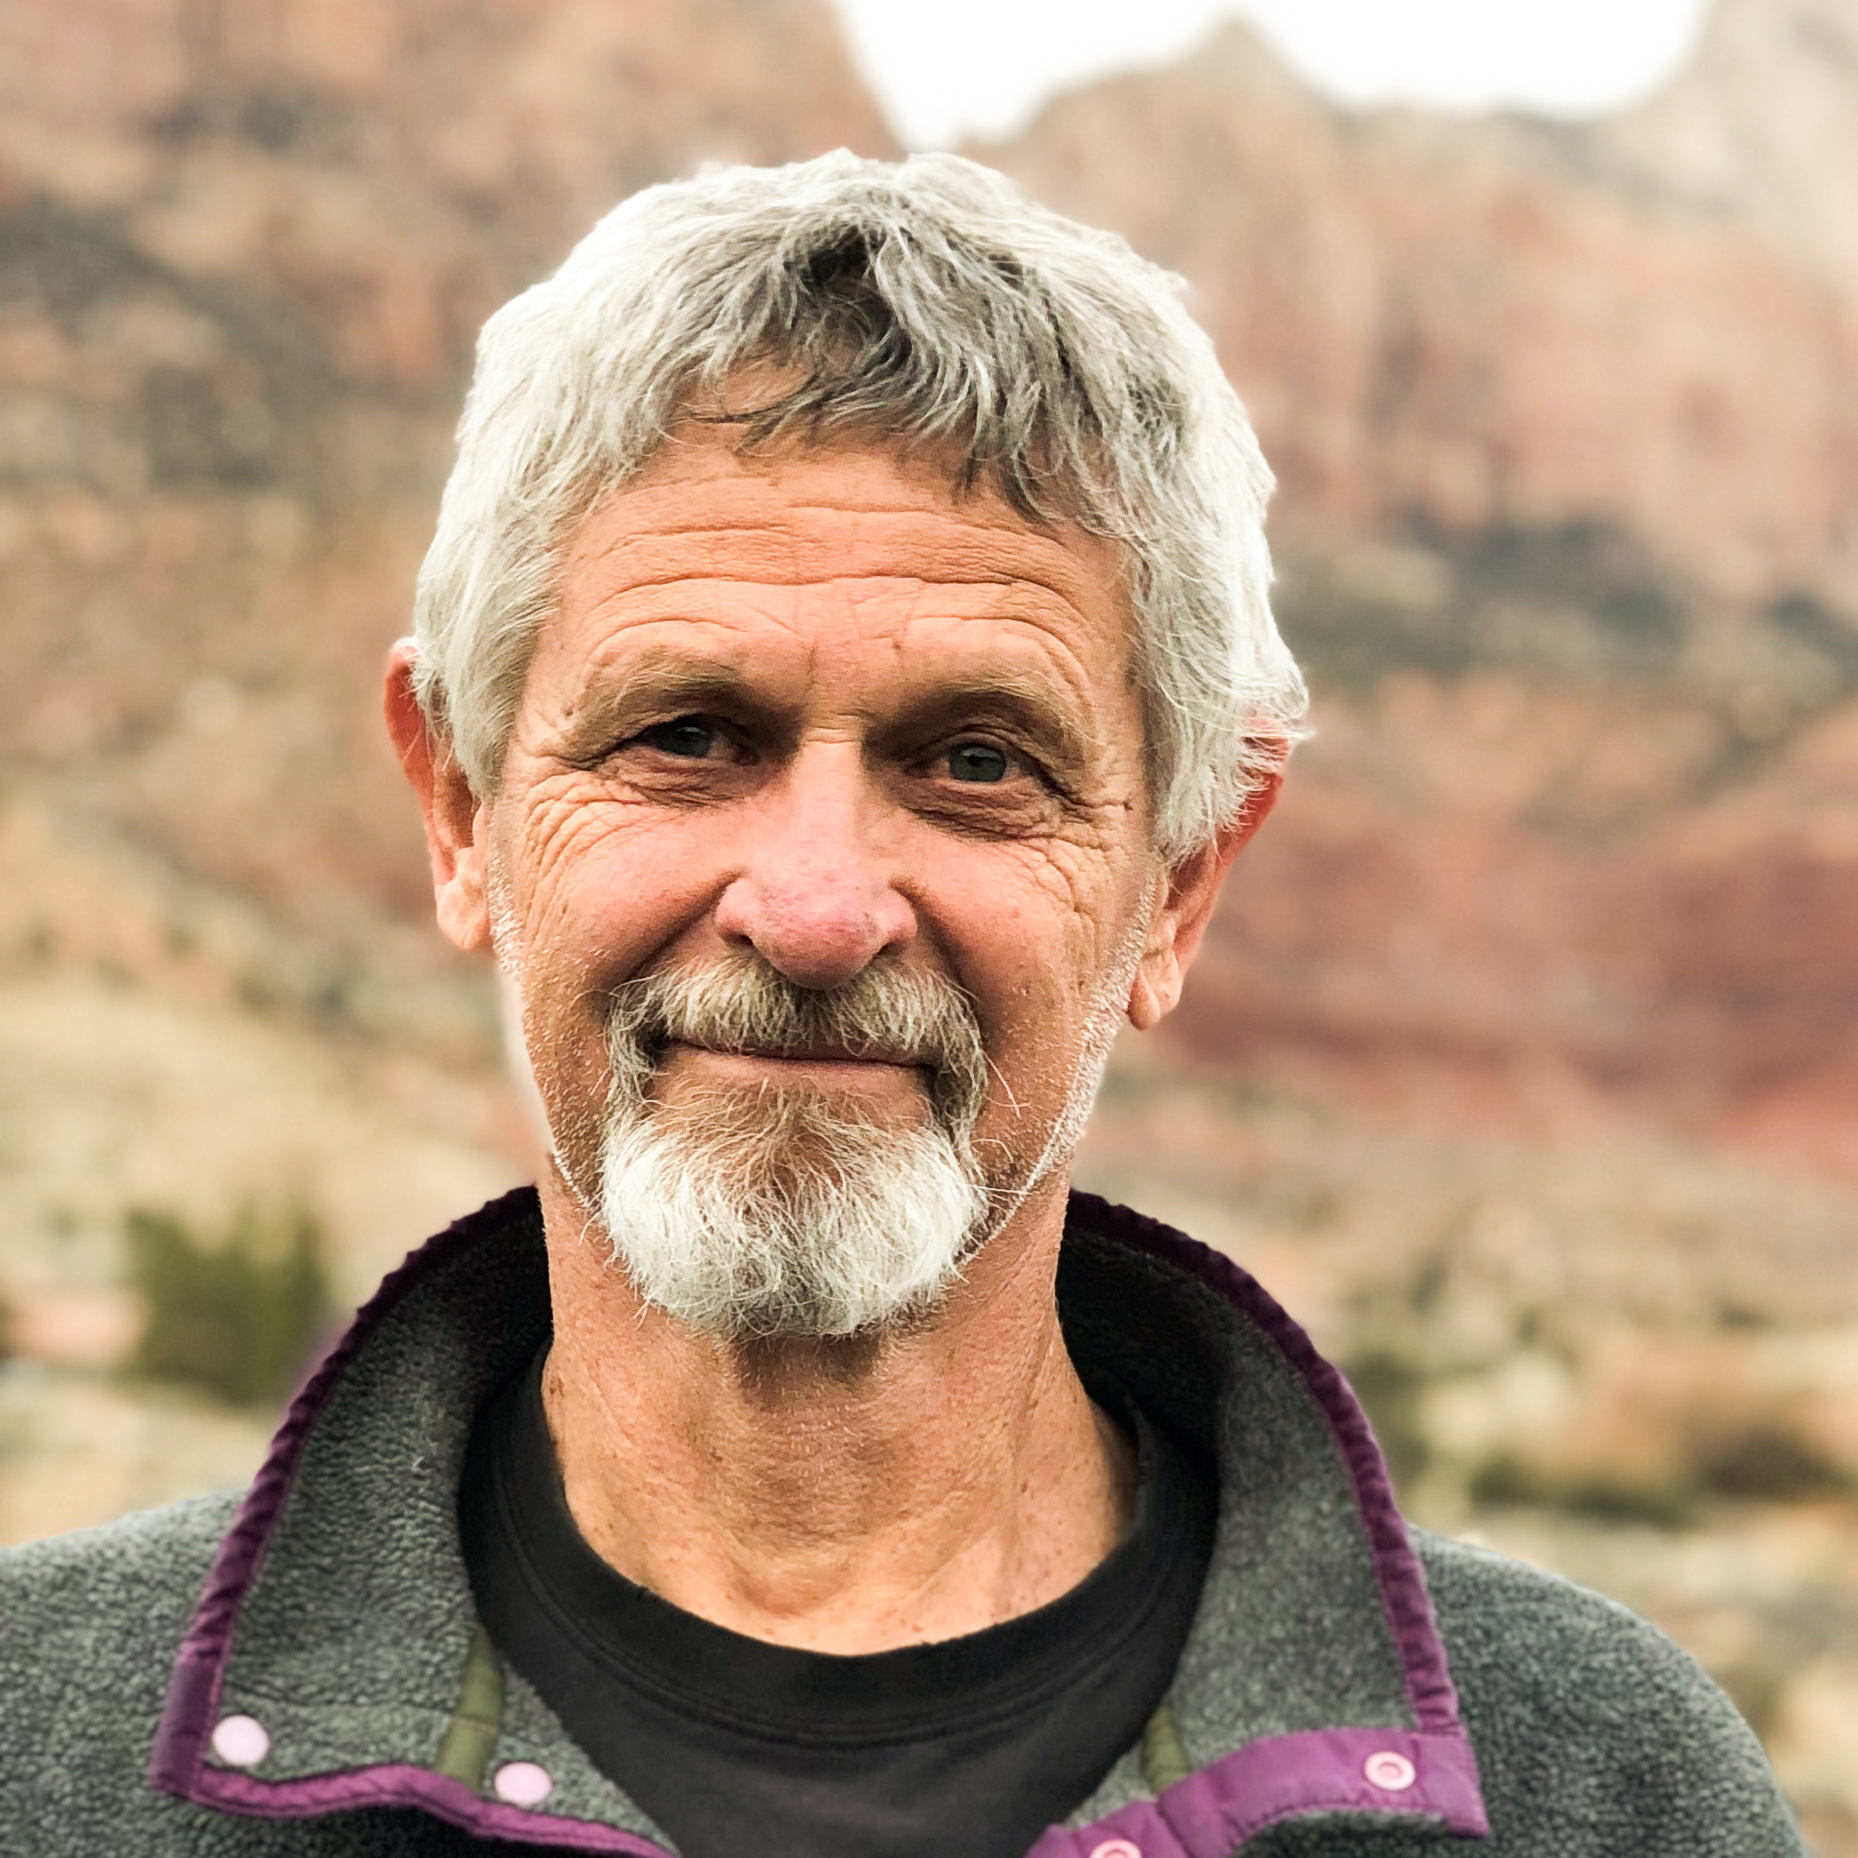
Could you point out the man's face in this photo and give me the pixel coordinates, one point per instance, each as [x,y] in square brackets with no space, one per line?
[811,715]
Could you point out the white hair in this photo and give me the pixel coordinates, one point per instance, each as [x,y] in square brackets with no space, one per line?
[928,303]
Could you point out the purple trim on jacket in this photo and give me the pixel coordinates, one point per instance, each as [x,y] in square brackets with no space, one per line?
[401,1785]
[192,1704]
[1207,1815]
[1211,1813]
[1408,1605]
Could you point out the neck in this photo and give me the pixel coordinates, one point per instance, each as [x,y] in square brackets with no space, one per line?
[838,1495]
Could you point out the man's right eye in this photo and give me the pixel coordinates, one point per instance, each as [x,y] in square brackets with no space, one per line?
[689,737]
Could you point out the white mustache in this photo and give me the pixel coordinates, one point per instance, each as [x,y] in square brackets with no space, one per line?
[899,1015]
[792,1212]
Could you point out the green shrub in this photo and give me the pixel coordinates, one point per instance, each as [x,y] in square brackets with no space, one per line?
[1767,1463]
[1504,1481]
[238,1315]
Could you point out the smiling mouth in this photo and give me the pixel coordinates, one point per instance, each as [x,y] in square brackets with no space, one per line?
[809,1057]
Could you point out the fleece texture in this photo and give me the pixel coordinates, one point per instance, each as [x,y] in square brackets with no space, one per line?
[331,1605]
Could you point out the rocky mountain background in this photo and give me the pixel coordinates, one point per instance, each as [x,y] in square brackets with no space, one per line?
[1524,1060]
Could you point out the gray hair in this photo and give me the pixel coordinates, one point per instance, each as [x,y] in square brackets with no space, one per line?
[929,303]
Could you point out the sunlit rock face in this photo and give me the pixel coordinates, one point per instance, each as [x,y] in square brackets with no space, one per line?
[1762,125]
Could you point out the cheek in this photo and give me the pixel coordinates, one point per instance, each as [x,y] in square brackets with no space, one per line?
[1077,905]
[596,885]
[1034,930]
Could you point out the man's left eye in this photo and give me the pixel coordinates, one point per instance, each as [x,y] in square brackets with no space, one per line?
[978,761]
[689,738]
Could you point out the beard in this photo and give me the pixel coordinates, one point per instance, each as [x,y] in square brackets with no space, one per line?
[785,1210]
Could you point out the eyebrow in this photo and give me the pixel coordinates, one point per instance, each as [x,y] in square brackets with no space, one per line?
[671,681]
[1012,698]
[607,706]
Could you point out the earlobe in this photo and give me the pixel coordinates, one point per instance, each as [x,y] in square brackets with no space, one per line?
[454,820]
[1156,988]
[1152,993]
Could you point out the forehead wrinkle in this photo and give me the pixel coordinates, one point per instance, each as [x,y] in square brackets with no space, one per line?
[617,543]
[775,493]
[817,543]
[1029,622]
[730,602]
[838,499]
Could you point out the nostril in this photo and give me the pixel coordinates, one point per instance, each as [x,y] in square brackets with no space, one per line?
[816,934]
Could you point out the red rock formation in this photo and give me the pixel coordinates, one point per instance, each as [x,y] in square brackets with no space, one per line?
[1565,419]
[374,159]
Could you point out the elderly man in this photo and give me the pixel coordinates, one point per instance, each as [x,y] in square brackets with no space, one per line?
[843,679]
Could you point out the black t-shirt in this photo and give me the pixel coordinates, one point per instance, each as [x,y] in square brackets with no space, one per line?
[738,1747]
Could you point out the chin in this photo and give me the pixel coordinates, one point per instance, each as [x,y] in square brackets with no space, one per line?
[792,1213]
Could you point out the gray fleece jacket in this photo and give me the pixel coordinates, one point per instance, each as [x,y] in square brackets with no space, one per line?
[300,1672]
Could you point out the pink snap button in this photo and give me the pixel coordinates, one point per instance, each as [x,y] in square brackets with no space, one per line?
[522,1783]
[241,1741]
[1390,1771]
[1116,1848]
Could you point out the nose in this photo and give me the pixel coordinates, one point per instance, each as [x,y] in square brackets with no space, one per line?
[816,893]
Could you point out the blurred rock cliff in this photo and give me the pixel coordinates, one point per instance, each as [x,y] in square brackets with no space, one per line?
[1565,417]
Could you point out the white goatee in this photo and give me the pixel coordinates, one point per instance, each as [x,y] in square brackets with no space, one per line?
[786,1210]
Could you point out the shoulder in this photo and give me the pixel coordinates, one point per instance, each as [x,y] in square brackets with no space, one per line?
[89,1622]
[1520,1636]
[89,1627]
[133,1562]
[1585,1717]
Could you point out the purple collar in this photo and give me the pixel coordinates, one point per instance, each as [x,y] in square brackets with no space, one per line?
[1421,1770]
[479,1290]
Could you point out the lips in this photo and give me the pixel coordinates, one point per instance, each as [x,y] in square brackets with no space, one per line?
[811,1054]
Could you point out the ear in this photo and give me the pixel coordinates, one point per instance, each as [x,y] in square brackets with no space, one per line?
[455,822]
[1183,907]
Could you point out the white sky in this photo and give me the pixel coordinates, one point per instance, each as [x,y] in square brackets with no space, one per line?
[945,68]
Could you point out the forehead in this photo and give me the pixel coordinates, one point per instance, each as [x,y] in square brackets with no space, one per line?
[708,538]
